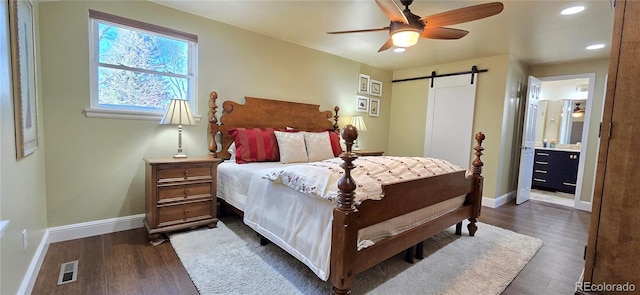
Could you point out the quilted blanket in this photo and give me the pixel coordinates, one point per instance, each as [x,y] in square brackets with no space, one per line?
[319,179]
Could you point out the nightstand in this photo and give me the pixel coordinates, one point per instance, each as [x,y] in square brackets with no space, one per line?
[368,153]
[179,194]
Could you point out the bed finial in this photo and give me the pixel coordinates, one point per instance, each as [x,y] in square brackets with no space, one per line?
[346,184]
[336,127]
[477,163]
[213,123]
[478,180]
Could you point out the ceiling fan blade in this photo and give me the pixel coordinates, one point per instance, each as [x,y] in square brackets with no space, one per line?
[463,15]
[386,45]
[443,33]
[359,31]
[392,11]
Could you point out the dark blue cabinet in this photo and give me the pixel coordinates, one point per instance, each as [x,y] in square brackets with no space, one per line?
[555,170]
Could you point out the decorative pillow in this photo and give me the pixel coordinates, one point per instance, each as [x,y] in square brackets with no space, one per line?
[292,147]
[318,146]
[232,151]
[335,143]
[255,145]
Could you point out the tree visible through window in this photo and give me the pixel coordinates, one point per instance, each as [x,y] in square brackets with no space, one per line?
[138,67]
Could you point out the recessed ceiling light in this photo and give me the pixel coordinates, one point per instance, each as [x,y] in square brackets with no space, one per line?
[595,46]
[399,49]
[572,10]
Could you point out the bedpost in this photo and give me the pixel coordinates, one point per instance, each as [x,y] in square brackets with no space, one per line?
[213,124]
[336,127]
[346,184]
[345,233]
[477,180]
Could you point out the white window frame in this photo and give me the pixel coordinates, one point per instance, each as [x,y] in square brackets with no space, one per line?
[96,110]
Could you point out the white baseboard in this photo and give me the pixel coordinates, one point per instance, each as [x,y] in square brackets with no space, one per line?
[72,232]
[499,201]
[584,206]
[94,228]
[29,279]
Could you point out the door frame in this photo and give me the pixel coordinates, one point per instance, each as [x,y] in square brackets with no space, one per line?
[578,203]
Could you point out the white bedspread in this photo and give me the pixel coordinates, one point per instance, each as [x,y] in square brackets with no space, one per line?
[299,223]
[234,180]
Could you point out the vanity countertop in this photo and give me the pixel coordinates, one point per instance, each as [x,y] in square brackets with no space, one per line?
[558,149]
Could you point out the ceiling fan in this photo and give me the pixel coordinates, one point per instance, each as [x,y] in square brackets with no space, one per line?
[406,28]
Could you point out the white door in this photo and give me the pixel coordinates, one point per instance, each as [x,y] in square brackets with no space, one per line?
[527,151]
[449,126]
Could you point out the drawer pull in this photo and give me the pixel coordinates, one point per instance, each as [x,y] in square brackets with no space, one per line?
[542,154]
[542,163]
[186,174]
[186,211]
[186,193]
[540,180]
[569,184]
[540,171]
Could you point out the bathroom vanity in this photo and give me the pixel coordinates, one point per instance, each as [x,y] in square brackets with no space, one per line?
[555,169]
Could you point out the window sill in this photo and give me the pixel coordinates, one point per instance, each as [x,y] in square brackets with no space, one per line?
[128,115]
[3,225]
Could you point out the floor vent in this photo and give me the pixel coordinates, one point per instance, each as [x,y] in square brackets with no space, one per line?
[68,272]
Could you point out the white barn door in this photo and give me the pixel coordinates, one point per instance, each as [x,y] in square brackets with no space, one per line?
[449,125]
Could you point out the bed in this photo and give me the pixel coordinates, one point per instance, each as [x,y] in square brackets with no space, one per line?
[281,214]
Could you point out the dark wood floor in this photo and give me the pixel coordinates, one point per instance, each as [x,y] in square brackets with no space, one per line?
[125,263]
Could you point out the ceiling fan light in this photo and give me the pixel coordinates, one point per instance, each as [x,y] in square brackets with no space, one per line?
[405,38]
[572,10]
[595,46]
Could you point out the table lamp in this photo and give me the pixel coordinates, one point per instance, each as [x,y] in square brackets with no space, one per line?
[358,122]
[178,113]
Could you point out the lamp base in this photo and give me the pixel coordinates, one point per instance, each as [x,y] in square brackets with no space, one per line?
[179,155]
[356,146]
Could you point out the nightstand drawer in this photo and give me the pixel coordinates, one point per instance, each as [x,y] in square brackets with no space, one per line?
[184,172]
[182,213]
[175,193]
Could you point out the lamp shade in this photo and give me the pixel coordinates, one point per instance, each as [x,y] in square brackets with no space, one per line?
[178,113]
[358,122]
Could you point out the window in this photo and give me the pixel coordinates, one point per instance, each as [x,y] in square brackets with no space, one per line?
[137,68]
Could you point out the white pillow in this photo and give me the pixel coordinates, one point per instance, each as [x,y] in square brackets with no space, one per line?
[292,147]
[318,146]
[232,151]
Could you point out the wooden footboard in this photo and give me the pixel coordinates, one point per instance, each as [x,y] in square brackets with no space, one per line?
[349,218]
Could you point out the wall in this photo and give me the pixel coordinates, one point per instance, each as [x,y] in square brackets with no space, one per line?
[94,166]
[511,137]
[408,113]
[22,182]
[600,68]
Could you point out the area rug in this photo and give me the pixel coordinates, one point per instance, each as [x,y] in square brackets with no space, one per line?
[229,260]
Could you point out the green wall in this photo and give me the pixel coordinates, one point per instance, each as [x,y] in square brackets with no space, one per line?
[408,114]
[22,182]
[94,166]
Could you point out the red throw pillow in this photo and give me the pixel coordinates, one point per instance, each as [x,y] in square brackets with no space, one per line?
[335,143]
[255,145]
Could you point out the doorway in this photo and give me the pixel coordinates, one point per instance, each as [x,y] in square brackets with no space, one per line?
[563,109]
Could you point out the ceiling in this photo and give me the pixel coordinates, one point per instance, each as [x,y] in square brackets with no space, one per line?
[532,31]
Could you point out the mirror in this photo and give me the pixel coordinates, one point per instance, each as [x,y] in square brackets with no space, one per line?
[558,102]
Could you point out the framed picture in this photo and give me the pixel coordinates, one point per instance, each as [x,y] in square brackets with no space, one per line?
[23,76]
[375,88]
[362,104]
[374,107]
[363,84]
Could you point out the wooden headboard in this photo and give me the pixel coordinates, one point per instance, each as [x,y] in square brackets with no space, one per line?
[264,113]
